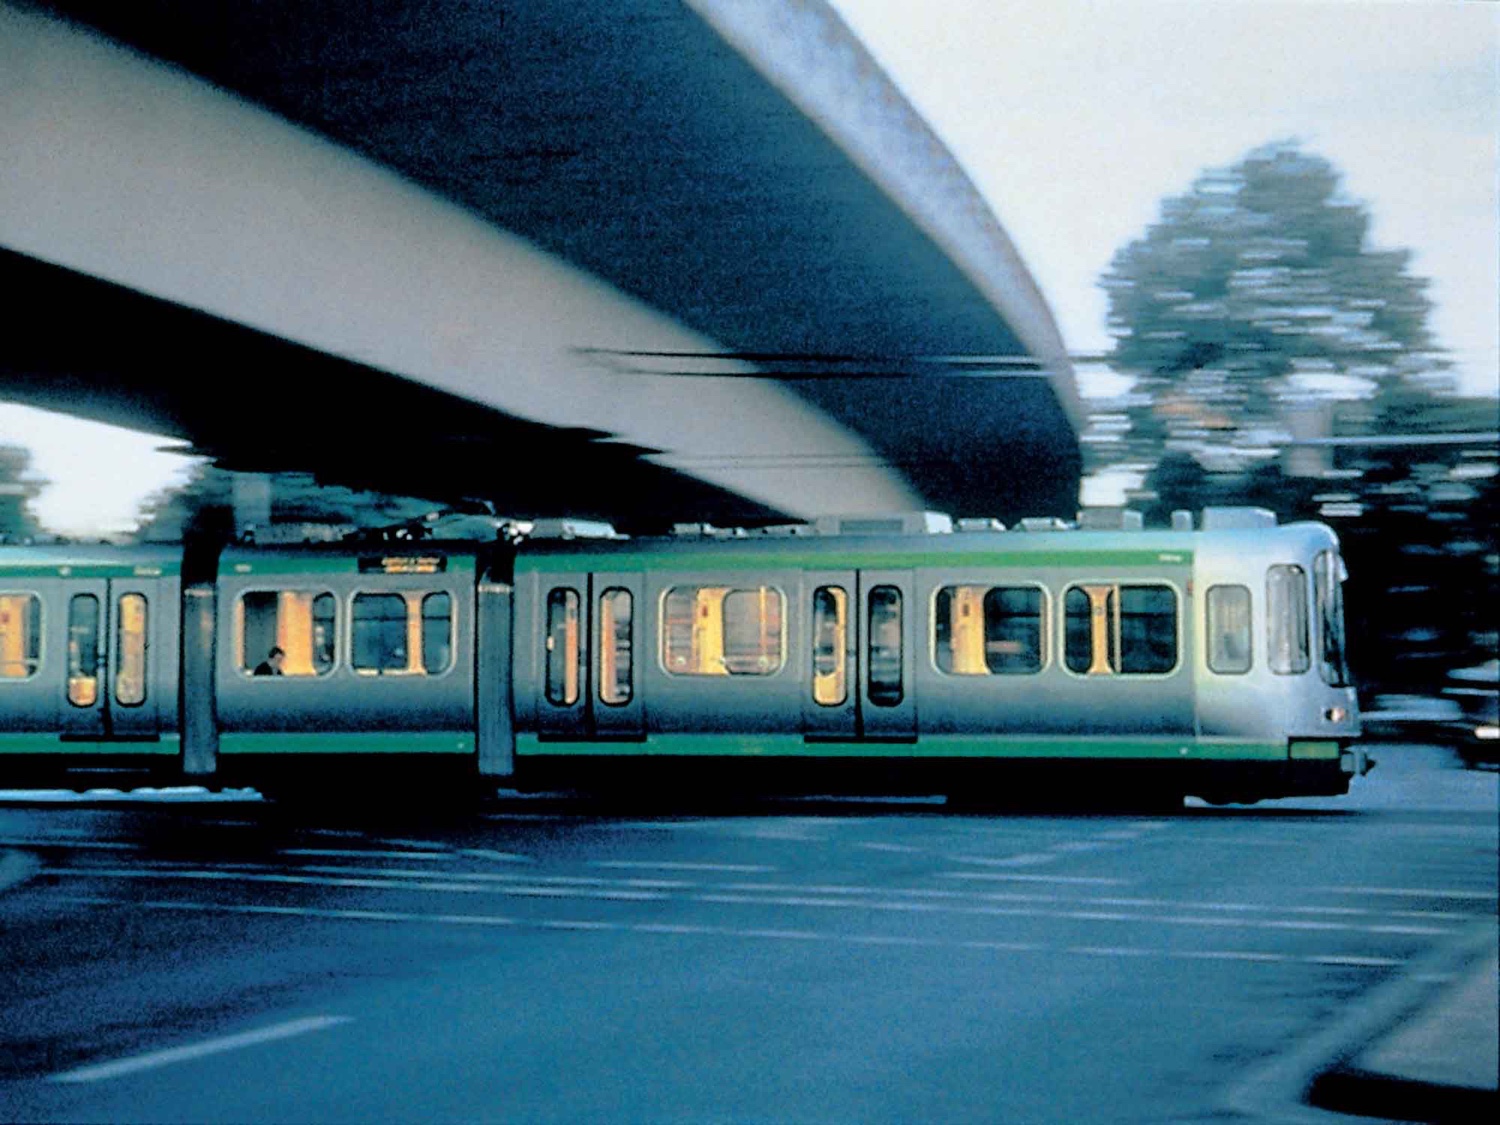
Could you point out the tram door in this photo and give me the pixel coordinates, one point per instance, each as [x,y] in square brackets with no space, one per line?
[109,691]
[591,674]
[860,682]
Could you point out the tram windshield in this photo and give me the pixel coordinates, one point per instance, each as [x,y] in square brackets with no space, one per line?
[1329,575]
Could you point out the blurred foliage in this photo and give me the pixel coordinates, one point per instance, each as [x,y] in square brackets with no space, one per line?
[17,491]
[1252,317]
[202,508]
[1254,289]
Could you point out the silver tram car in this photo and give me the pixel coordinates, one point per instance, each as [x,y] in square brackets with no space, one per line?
[870,653]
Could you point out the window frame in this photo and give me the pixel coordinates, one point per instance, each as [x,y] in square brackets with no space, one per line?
[238,637]
[664,634]
[1209,632]
[569,663]
[76,677]
[884,699]
[1044,628]
[1296,668]
[1328,611]
[34,630]
[120,679]
[609,655]
[412,667]
[1115,587]
[838,675]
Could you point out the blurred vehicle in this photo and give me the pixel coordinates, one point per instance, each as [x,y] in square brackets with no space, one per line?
[1475,691]
[1410,718]
[1100,656]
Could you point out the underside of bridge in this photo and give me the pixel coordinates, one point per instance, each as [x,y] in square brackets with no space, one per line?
[642,260]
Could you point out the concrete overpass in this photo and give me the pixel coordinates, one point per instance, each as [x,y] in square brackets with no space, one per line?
[645,260]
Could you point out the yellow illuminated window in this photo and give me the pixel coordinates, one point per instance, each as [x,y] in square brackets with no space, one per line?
[615,646]
[285,632]
[723,631]
[20,636]
[562,647]
[130,651]
[988,630]
[830,645]
[83,650]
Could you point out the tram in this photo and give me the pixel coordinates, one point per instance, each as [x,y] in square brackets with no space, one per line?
[902,653]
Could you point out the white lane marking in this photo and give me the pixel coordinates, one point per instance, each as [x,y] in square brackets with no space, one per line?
[450,886]
[1428,892]
[674,929]
[664,865]
[498,857]
[1121,834]
[153,1059]
[570,924]
[1024,859]
[1075,880]
[1351,960]
[71,845]
[359,853]
[495,877]
[417,845]
[1226,955]
[1230,915]
[904,848]
[1078,846]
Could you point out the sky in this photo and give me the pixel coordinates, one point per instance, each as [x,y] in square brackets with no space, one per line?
[1074,119]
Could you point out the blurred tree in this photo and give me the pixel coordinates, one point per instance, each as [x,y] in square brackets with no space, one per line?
[202,508]
[1254,289]
[17,491]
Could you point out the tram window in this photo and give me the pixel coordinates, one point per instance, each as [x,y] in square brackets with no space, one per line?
[437,633]
[1088,638]
[615,646]
[1286,619]
[1111,628]
[380,637]
[1328,578]
[130,650]
[324,613]
[1228,621]
[83,650]
[995,630]
[884,650]
[1148,629]
[562,647]
[301,623]
[720,631]
[830,646]
[20,636]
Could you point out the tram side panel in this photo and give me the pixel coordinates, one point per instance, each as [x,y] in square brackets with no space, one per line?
[1265,699]
[376,662]
[88,662]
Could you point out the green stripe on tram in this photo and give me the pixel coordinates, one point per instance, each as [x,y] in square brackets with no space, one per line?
[710,559]
[48,742]
[929,746]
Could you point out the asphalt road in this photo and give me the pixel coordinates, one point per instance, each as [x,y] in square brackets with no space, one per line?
[819,961]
